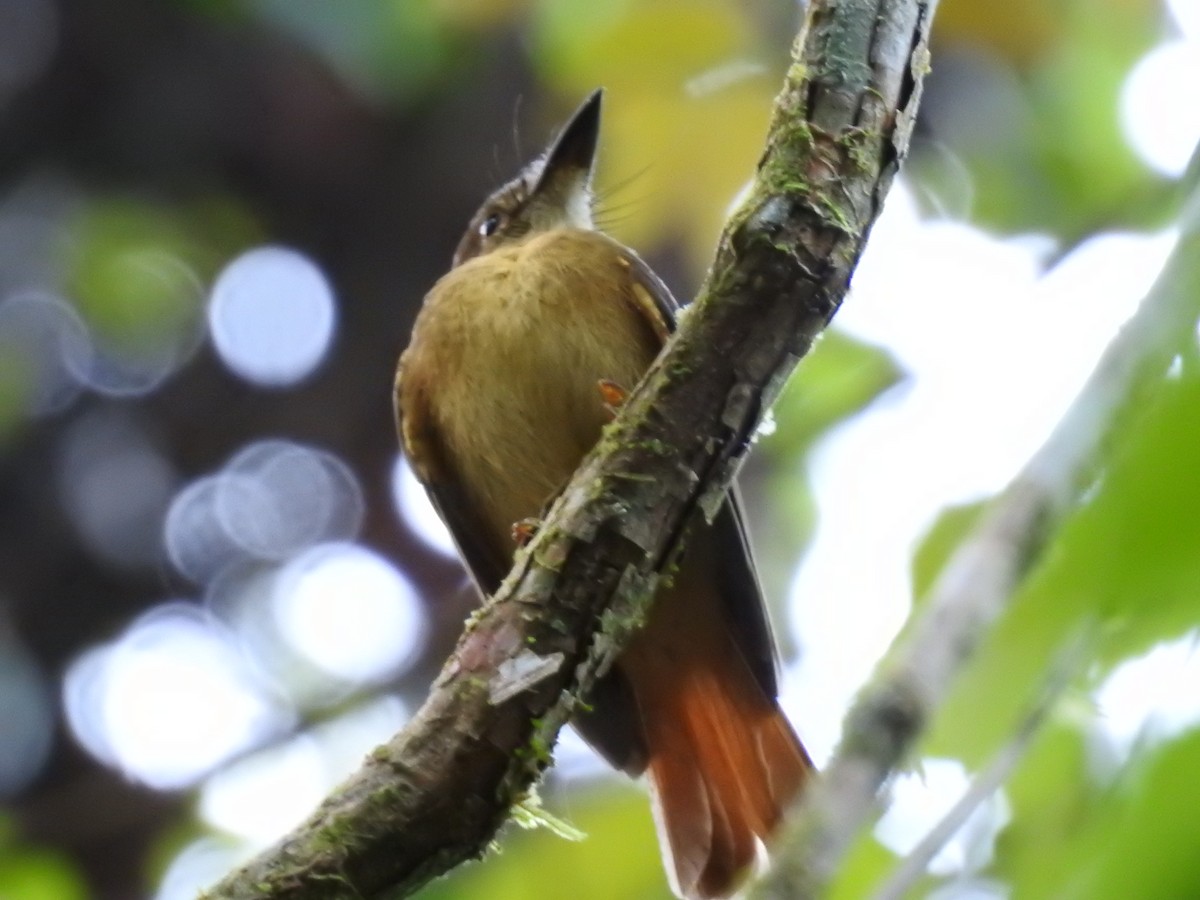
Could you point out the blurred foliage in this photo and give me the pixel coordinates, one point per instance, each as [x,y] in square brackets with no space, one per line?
[1125,569]
[1134,838]
[17,383]
[838,378]
[136,270]
[36,873]
[865,867]
[672,69]
[1020,31]
[618,858]
[935,549]
[1026,32]
[1128,556]
[390,51]
[1041,139]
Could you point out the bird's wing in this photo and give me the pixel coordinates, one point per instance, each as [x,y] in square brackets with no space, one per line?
[743,595]
[740,591]
[433,466]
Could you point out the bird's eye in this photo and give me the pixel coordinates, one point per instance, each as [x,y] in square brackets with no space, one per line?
[489,225]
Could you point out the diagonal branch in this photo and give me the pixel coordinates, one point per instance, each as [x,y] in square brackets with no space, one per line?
[981,577]
[436,794]
[912,868]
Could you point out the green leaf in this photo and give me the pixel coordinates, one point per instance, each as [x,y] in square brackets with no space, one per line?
[1041,142]
[838,378]
[1127,560]
[1051,796]
[1136,838]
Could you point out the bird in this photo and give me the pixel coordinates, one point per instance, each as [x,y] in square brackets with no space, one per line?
[516,360]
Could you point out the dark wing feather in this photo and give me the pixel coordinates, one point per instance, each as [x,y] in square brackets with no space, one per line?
[487,568]
[663,308]
[742,594]
[740,590]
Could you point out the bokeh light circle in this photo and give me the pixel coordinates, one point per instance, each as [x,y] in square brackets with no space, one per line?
[167,701]
[260,797]
[272,316]
[196,542]
[267,793]
[349,611]
[43,343]
[277,497]
[1159,115]
[418,513]
[198,866]
[145,322]
[273,499]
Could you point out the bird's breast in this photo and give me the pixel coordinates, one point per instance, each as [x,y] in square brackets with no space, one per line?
[519,341]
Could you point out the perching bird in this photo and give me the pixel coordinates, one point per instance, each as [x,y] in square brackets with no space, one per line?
[503,389]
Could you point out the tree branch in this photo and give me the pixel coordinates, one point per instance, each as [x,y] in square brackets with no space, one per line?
[436,794]
[912,868]
[981,577]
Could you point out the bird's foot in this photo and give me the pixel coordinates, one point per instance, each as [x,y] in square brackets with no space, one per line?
[613,396]
[524,530]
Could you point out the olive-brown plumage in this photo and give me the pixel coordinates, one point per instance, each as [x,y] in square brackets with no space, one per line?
[498,400]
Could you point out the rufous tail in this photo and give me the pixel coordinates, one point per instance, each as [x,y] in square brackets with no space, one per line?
[724,765]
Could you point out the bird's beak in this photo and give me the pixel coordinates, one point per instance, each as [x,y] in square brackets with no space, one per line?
[568,163]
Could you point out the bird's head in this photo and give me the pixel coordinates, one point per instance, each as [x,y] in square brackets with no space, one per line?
[553,191]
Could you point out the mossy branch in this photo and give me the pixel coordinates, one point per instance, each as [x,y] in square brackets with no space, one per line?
[436,794]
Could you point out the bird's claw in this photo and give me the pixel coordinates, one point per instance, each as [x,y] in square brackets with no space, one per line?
[613,395]
[524,530]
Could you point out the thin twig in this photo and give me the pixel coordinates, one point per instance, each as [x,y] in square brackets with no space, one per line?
[987,782]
